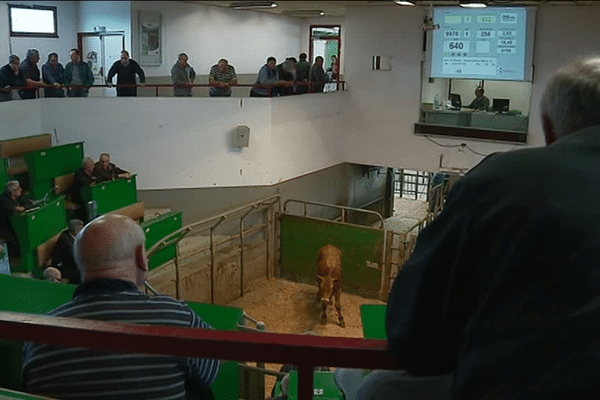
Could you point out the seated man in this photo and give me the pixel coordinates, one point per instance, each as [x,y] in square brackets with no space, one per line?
[62,256]
[12,202]
[106,171]
[83,178]
[111,255]
[480,102]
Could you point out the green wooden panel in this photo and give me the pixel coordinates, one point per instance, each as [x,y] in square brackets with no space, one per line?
[3,173]
[302,237]
[27,296]
[39,297]
[112,195]
[34,228]
[324,386]
[373,321]
[156,229]
[43,165]
[227,384]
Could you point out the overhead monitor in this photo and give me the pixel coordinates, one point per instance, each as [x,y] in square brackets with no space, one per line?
[491,43]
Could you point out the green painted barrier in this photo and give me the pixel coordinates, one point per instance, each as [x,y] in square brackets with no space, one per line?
[27,296]
[302,237]
[156,229]
[373,321]
[14,395]
[111,195]
[3,173]
[34,228]
[39,297]
[223,318]
[46,164]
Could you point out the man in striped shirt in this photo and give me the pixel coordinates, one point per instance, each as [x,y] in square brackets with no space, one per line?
[111,255]
[221,75]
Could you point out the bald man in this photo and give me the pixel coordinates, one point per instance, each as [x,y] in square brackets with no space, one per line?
[111,256]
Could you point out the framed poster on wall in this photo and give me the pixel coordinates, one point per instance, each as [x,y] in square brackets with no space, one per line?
[150,40]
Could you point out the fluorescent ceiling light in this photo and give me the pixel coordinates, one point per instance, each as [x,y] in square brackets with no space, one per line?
[304,13]
[473,5]
[252,5]
[404,3]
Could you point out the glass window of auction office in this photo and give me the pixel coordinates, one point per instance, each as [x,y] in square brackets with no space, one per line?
[467,49]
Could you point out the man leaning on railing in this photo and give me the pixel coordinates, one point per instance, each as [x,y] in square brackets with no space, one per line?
[110,253]
[10,76]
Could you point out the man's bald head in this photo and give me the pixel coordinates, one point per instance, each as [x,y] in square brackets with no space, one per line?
[112,246]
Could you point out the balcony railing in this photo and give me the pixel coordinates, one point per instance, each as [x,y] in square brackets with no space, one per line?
[304,351]
[271,88]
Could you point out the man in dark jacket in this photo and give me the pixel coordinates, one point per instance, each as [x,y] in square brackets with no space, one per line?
[12,202]
[502,288]
[126,69]
[53,74]
[63,258]
[78,75]
[106,171]
[10,76]
[31,73]
[317,77]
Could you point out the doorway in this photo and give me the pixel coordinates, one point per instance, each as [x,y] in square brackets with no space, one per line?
[325,41]
[100,50]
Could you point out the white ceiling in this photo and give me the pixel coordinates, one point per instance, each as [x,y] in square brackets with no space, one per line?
[338,8]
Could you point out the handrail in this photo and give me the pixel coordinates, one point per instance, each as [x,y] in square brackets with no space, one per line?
[214,221]
[343,208]
[304,351]
[340,85]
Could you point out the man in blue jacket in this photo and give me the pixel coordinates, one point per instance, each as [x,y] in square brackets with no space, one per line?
[53,74]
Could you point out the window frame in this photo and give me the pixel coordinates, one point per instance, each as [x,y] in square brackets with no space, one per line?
[33,34]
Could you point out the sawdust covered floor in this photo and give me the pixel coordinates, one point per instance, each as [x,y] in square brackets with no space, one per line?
[290,307]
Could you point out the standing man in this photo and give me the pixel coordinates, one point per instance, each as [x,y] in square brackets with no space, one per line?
[11,76]
[111,256]
[480,102]
[317,77]
[32,74]
[126,69]
[182,75]
[79,75]
[221,75]
[302,72]
[502,289]
[53,74]
[105,171]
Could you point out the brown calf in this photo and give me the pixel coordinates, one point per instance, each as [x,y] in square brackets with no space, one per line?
[329,278]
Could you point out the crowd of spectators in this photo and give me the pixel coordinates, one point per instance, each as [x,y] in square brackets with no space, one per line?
[287,78]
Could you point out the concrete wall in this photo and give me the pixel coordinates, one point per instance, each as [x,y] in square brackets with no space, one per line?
[114,15]
[343,184]
[207,34]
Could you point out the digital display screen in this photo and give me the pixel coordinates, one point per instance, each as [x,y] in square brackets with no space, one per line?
[489,43]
